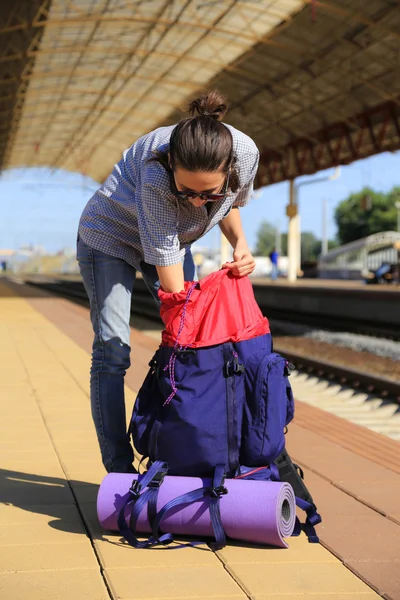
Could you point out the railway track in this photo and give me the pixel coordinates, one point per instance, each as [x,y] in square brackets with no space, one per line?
[144,306]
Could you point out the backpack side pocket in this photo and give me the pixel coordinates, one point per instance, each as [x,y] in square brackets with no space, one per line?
[145,409]
[268,408]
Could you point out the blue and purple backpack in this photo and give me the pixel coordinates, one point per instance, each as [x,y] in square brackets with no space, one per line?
[222,406]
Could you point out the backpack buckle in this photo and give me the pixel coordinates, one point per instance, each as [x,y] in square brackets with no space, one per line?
[289,368]
[238,368]
[184,352]
[157,480]
[218,492]
[233,368]
[135,488]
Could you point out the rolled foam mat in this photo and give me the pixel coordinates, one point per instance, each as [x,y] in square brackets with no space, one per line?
[261,512]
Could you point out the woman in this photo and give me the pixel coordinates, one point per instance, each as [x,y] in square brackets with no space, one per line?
[169,189]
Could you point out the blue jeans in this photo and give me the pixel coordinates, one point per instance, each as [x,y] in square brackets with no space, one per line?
[109,284]
[274,271]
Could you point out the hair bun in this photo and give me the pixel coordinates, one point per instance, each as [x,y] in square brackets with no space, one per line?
[213,104]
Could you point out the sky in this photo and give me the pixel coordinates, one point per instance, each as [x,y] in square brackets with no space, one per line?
[43,206]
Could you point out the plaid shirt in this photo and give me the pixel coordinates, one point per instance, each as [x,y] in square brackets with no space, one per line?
[135,215]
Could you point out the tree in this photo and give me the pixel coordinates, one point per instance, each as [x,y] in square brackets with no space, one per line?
[266,239]
[365,213]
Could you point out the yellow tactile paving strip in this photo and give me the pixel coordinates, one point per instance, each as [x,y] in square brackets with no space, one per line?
[51,546]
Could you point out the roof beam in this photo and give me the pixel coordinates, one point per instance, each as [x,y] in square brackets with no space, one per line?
[354,16]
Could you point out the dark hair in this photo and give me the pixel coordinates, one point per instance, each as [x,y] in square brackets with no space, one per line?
[201,142]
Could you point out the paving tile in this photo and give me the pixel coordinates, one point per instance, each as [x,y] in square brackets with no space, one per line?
[40,471]
[336,463]
[82,441]
[71,426]
[28,435]
[84,492]
[385,575]
[54,585]
[299,551]
[115,553]
[44,514]
[20,392]
[47,557]
[29,491]
[239,595]
[24,414]
[175,582]
[350,529]
[327,495]
[62,526]
[71,456]
[384,496]
[280,578]
[364,538]
[87,471]
[96,532]
[318,596]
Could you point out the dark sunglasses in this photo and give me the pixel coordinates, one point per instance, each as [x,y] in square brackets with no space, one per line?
[204,196]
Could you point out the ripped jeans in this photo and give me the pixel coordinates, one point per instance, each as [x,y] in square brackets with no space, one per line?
[109,284]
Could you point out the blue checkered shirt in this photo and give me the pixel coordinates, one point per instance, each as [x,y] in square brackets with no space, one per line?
[135,215]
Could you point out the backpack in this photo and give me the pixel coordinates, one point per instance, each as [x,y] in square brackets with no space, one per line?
[217,395]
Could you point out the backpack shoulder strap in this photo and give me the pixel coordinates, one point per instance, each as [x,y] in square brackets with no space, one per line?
[292,473]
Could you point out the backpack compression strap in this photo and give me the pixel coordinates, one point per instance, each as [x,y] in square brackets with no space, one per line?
[151,480]
[215,491]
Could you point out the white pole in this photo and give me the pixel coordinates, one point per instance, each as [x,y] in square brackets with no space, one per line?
[291,211]
[298,233]
[324,246]
[397,205]
[278,237]
[225,250]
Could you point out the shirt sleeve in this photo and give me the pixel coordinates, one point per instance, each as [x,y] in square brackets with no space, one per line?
[246,191]
[157,221]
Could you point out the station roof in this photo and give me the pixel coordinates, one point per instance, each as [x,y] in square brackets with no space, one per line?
[315,83]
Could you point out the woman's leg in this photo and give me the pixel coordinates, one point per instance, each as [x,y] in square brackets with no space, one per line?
[109,282]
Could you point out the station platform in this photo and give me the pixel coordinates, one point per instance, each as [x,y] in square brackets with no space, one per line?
[52,547]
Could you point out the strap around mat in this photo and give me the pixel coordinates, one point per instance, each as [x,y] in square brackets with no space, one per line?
[313,519]
[151,480]
[215,491]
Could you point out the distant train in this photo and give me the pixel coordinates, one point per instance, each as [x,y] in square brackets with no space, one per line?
[362,258]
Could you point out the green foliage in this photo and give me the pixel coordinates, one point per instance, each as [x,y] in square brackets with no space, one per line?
[266,241]
[365,213]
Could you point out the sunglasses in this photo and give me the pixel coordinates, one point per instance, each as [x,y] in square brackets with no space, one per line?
[205,197]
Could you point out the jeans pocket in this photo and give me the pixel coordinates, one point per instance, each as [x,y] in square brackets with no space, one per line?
[84,253]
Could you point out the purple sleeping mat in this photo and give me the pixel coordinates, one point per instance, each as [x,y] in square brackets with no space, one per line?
[261,512]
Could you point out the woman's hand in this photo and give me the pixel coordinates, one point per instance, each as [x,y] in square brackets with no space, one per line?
[243,261]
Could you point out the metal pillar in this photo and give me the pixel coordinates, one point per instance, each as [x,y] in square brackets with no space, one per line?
[324,245]
[293,237]
[225,251]
[298,236]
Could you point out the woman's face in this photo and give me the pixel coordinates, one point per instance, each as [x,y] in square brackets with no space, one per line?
[202,183]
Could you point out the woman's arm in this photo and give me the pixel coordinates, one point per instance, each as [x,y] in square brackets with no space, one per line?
[171,278]
[232,228]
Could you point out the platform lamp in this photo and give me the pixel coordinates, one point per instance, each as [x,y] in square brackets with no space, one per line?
[294,234]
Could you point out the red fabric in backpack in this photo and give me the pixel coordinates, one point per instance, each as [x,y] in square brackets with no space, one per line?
[220,308]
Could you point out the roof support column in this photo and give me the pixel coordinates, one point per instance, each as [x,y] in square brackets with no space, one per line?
[293,234]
